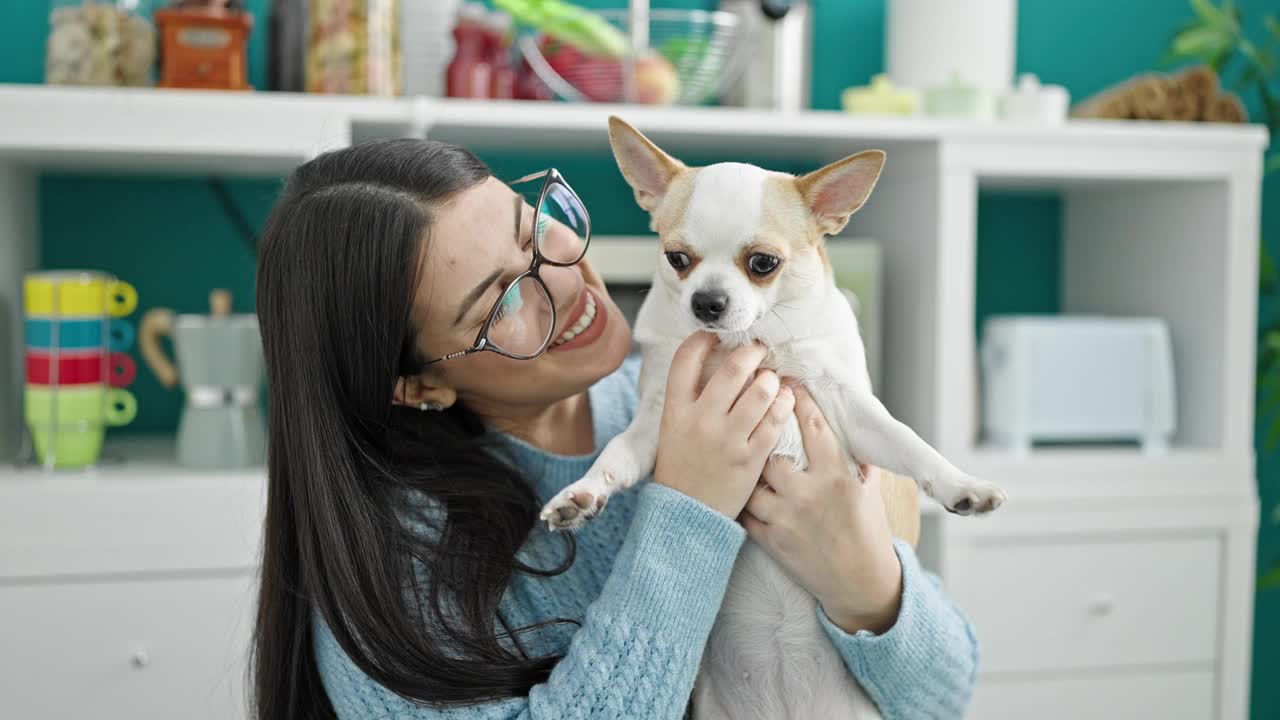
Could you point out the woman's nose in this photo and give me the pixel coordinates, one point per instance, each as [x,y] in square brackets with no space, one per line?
[564,284]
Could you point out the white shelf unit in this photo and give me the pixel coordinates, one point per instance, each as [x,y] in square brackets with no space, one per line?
[1158,219]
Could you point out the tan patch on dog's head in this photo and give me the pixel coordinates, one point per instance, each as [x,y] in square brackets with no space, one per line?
[670,211]
[786,230]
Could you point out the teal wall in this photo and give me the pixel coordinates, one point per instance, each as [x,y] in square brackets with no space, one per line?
[168,236]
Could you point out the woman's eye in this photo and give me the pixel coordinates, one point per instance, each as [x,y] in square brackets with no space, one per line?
[511,302]
[678,260]
[762,264]
[540,233]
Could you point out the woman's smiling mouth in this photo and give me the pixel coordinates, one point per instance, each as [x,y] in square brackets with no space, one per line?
[589,320]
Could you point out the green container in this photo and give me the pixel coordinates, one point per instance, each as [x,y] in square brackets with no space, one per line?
[71,406]
[67,423]
[71,447]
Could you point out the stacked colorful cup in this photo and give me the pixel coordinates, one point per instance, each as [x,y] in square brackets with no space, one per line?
[77,363]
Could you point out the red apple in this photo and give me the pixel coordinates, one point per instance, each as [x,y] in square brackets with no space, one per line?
[656,81]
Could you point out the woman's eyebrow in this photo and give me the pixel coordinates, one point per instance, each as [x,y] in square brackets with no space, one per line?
[475,294]
[479,290]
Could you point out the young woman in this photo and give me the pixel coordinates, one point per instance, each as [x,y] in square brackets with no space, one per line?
[441,361]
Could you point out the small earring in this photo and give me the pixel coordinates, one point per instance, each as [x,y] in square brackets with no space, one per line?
[434,406]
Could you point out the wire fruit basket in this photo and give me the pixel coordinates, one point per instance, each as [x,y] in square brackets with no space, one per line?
[691,57]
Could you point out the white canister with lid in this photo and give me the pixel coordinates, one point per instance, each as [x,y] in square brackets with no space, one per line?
[426,44]
[928,42]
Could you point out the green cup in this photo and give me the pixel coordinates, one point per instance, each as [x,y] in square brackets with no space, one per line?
[77,406]
[68,447]
[67,422]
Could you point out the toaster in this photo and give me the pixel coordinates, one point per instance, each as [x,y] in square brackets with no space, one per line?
[1077,379]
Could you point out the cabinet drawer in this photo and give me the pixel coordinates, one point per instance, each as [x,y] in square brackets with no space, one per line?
[1123,696]
[171,648]
[131,519]
[1047,605]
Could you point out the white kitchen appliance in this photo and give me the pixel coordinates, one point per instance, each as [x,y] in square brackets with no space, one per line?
[779,40]
[1077,379]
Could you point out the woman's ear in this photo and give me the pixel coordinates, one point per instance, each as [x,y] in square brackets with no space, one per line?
[420,391]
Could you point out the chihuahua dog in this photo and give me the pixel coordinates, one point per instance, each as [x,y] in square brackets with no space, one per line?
[743,257]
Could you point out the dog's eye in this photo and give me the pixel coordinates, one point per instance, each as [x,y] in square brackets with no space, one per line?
[678,260]
[762,264]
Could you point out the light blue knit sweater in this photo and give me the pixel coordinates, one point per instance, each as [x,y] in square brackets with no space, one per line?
[646,583]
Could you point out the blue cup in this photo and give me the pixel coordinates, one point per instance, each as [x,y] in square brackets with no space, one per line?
[84,334]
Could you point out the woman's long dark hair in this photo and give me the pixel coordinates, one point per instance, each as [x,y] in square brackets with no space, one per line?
[337,274]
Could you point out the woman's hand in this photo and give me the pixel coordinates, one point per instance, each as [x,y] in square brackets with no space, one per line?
[827,527]
[712,445]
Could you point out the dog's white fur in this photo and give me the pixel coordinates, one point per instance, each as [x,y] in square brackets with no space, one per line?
[767,656]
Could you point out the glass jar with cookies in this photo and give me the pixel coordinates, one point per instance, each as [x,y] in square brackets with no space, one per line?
[353,47]
[100,42]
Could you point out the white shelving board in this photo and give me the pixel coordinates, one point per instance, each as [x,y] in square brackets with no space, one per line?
[923,212]
[255,133]
[185,132]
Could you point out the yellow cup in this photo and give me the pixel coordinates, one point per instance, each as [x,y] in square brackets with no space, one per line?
[76,293]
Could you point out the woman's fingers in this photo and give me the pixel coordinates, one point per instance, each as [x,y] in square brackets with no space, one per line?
[780,473]
[764,438]
[686,366]
[820,443]
[731,377]
[755,527]
[754,403]
[763,503]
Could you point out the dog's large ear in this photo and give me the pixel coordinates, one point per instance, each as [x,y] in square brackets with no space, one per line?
[646,167]
[837,191]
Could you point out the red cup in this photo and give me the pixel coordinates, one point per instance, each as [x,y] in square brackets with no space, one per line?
[82,368]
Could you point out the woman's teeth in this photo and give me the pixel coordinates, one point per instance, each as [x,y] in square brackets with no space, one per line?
[584,322]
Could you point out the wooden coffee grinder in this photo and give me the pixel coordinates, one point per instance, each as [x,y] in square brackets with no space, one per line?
[204,44]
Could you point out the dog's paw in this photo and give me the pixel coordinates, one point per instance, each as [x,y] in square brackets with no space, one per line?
[574,506]
[966,495]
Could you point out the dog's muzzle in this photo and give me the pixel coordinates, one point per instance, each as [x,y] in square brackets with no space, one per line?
[708,306]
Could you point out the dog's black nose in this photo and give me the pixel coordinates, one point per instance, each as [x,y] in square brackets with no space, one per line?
[709,306]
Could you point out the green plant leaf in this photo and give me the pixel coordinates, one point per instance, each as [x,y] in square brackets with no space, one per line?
[1273,341]
[1260,60]
[1231,12]
[1206,11]
[1267,380]
[1201,42]
[1272,25]
[1269,404]
[1270,579]
[1273,163]
[1269,383]
[1266,270]
[1273,436]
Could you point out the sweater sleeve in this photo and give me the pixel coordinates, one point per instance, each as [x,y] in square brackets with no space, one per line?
[637,652]
[926,665]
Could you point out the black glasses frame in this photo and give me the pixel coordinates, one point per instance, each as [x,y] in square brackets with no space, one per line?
[551,178]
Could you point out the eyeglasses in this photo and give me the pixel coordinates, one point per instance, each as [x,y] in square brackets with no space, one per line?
[522,321]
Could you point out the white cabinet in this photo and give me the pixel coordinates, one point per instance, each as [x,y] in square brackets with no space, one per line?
[1092,602]
[126,648]
[1167,696]
[1119,608]
[127,592]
